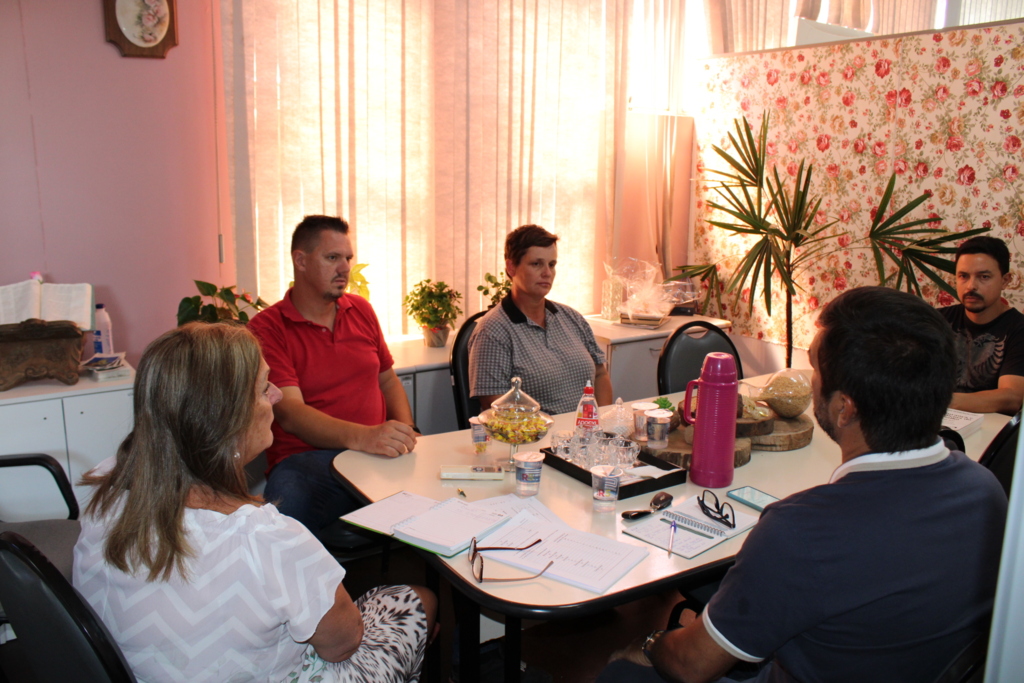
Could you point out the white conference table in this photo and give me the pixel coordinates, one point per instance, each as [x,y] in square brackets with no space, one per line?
[777,473]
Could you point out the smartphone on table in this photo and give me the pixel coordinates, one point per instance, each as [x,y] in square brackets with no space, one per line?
[752,497]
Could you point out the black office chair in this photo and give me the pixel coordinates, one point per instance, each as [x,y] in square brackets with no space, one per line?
[969,664]
[59,633]
[458,365]
[1001,454]
[683,355]
[55,538]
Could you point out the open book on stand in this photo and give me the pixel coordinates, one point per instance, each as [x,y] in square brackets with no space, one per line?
[695,531]
[445,528]
[46,301]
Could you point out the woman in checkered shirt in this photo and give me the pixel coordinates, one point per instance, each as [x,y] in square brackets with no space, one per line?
[549,345]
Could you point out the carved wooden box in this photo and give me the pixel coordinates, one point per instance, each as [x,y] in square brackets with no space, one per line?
[37,349]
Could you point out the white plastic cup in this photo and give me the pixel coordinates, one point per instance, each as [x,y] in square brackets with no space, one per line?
[640,419]
[605,481]
[528,468]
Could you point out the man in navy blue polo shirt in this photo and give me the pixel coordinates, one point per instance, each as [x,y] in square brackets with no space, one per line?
[887,571]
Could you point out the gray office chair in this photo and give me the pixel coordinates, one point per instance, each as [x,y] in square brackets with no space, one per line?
[458,365]
[57,631]
[1001,455]
[683,355]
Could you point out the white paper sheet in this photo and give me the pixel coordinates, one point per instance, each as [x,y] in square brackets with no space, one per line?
[511,504]
[383,515]
[580,559]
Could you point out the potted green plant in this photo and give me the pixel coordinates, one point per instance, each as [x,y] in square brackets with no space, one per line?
[781,218]
[225,304]
[433,306]
[500,284]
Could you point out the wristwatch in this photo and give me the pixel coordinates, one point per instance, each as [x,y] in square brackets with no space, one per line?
[649,643]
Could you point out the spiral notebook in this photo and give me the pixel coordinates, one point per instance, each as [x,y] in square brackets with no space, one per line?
[695,531]
[444,528]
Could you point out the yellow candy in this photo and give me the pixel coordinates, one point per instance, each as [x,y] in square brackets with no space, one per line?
[517,431]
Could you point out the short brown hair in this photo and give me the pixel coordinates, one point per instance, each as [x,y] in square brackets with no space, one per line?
[522,238]
[307,233]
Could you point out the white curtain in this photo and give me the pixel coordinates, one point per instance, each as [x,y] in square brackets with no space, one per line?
[434,126]
[745,25]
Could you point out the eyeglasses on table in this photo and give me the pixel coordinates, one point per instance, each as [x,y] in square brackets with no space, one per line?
[720,512]
[476,560]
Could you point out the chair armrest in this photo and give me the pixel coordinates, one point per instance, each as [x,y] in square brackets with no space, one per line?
[49,463]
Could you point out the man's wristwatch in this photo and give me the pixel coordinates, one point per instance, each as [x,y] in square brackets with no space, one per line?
[649,643]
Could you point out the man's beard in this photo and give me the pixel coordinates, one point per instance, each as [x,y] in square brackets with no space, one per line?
[821,415]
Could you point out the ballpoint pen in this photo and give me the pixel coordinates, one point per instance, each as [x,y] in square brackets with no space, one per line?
[671,538]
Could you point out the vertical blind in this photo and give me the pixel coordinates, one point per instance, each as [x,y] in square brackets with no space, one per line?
[434,126]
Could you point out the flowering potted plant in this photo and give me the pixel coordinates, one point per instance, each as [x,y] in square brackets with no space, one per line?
[433,306]
[225,304]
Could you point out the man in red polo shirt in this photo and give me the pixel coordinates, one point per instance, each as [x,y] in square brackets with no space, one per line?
[327,354]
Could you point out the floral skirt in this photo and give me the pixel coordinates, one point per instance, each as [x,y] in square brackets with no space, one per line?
[394,638]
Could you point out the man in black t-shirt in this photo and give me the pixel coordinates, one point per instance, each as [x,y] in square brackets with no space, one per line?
[989,333]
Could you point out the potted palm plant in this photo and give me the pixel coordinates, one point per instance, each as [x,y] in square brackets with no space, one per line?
[781,218]
[433,306]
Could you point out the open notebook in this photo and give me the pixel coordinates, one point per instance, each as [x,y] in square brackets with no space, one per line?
[444,528]
[695,531]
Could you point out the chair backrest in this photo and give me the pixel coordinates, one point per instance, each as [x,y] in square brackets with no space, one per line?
[58,631]
[683,355]
[1001,454]
[969,664]
[458,365]
[50,464]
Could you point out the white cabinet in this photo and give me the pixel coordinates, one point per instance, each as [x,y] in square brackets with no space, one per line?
[29,492]
[633,367]
[79,425]
[95,425]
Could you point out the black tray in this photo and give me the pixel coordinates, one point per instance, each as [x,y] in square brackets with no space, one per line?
[637,488]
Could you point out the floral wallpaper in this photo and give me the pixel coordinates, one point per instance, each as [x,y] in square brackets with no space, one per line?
[944,111]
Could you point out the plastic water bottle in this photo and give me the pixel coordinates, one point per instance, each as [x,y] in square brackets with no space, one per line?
[714,435]
[103,335]
[586,411]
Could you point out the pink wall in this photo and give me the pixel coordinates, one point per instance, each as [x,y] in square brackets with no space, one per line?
[108,165]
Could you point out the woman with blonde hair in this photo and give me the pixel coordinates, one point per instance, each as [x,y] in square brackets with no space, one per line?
[196,579]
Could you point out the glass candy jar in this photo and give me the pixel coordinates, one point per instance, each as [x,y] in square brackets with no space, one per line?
[516,419]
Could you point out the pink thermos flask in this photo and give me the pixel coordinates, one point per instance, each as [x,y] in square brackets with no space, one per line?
[714,435]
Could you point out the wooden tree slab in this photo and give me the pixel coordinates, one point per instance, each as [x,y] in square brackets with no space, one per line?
[748,427]
[745,428]
[788,435]
[684,451]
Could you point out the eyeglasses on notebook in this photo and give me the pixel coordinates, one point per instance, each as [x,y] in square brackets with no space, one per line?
[476,560]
